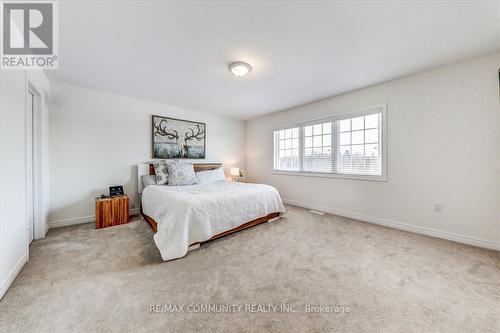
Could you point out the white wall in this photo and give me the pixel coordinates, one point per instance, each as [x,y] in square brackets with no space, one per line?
[13,250]
[443,147]
[13,217]
[98,138]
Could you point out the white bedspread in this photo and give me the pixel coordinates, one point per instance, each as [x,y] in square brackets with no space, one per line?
[195,213]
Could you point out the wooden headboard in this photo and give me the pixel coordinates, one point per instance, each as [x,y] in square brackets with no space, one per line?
[148,169]
[197,167]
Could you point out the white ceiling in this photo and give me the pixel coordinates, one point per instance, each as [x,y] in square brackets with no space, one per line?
[177,52]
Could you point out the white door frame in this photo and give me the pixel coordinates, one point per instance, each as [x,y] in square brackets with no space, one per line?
[30,161]
[33,165]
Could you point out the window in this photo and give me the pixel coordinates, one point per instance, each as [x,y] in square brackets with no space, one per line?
[359,141]
[318,147]
[350,146]
[286,149]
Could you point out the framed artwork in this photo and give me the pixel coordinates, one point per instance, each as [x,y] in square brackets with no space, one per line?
[177,138]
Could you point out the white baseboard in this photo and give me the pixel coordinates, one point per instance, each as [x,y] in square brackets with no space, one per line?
[47,227]
[80,220]
[398,225]
[12,275]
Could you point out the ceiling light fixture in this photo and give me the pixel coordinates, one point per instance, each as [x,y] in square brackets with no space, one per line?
[240,68]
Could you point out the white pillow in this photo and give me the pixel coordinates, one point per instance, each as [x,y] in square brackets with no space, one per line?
[148,180]
[210,176]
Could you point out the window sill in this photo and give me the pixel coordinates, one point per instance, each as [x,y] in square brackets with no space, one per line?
[382,178]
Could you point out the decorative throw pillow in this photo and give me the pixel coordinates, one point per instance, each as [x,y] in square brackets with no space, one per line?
[161,172]
[181,173]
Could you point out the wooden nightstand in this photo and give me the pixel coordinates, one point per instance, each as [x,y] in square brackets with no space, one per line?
[111,211]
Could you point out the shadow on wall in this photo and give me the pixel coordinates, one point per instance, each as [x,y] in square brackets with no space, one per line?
[81,209]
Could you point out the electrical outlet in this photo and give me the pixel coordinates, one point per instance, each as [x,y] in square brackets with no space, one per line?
[438,208]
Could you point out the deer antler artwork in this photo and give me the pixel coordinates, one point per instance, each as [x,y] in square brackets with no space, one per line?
[192,135]
[161,130]
[176,138]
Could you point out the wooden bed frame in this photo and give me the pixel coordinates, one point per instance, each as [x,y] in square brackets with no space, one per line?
[201,167]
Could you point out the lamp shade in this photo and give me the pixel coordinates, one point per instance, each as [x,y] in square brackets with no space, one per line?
[235,171]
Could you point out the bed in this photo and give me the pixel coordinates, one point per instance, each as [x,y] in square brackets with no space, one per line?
[183,217]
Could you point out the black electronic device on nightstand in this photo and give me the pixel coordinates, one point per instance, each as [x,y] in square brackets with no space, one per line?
[115,191]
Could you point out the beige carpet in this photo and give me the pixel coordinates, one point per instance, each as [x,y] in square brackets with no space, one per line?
[84,280]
